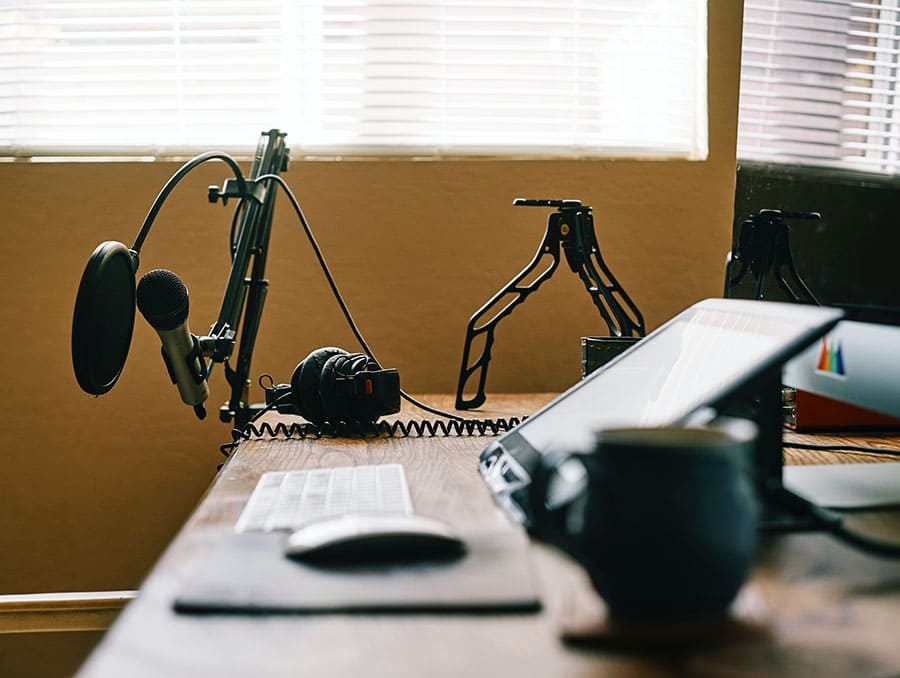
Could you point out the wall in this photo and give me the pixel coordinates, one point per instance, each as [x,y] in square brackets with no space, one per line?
[93,489]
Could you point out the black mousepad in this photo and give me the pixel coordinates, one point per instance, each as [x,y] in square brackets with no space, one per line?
[249,573]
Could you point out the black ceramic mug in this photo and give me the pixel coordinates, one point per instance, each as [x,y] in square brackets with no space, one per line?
[664,520]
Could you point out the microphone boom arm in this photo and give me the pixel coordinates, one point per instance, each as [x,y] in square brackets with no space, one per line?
[245,295]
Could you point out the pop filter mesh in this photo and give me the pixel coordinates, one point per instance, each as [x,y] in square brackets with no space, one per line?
[103,321]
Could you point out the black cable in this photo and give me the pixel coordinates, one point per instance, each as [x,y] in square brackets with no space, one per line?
[232,234]
[173,181]
[244,434]
[365,429]
[833,523]
[433,410]
[863,543]
[369,429]
[337,295]
[842,448]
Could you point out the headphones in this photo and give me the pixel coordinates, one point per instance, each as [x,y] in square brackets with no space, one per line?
[331,385]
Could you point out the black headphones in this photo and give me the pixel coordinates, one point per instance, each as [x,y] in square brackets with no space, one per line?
[332,385]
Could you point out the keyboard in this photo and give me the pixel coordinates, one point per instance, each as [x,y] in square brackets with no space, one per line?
[285,500]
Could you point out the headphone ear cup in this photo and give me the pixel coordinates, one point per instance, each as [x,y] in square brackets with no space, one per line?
[339,404]
[306,383]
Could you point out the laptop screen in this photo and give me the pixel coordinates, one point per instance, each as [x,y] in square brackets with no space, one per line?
[697,359]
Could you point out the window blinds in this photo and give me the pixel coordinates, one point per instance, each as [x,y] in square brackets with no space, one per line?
[355,77]
[820,81]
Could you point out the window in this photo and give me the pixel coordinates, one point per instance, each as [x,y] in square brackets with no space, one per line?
[426,77]
[820,83]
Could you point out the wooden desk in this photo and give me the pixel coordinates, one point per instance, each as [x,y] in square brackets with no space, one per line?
[827,610]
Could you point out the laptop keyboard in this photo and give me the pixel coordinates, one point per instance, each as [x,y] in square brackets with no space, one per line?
[285,500]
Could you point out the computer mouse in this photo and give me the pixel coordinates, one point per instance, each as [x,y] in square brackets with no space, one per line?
[362,538]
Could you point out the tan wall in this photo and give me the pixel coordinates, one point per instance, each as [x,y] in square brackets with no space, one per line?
[93,489]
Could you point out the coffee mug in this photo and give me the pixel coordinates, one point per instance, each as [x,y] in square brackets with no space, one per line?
[664,520]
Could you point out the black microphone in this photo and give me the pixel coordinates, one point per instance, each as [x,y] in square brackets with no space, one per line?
[163,300]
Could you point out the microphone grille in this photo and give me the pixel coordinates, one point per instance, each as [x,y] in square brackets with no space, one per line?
[162,299]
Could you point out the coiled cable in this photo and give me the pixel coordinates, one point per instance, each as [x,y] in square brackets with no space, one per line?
[366,429]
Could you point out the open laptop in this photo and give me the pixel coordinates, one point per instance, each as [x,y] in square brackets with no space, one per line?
[701,359]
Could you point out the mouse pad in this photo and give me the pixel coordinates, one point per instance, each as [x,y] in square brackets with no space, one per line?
[249,573]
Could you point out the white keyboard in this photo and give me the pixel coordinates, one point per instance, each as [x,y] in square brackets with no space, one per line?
[285,500]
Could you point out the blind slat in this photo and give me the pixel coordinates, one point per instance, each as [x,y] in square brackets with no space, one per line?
[595,77]
[795,108]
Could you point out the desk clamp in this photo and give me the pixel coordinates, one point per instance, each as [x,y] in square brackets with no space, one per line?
[764,245]
[571,226]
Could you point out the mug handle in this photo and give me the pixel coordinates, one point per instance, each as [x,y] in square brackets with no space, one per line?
[548,523]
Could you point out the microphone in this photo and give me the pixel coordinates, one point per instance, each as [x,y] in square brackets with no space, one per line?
[163,300]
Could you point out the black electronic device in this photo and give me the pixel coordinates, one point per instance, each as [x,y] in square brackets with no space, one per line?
[571,227]
[331,385]
[720,356]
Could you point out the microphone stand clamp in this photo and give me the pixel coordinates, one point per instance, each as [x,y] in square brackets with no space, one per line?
[219,343]
[255,191]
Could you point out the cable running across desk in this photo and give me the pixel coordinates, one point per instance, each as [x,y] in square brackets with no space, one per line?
[381,429]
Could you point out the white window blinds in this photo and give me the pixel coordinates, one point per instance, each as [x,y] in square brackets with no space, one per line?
[426,77]
[820,83]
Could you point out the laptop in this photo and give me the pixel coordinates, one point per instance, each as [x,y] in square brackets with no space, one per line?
[694,363]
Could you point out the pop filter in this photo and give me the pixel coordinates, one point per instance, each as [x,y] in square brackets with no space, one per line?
[104,317]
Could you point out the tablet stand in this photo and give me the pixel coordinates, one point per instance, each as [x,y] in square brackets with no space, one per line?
[764,245]
[572,227]
[760,401]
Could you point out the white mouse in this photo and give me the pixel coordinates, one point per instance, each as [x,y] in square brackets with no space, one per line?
[359,538]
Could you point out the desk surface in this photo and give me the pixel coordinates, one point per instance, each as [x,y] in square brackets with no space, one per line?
[825,609]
